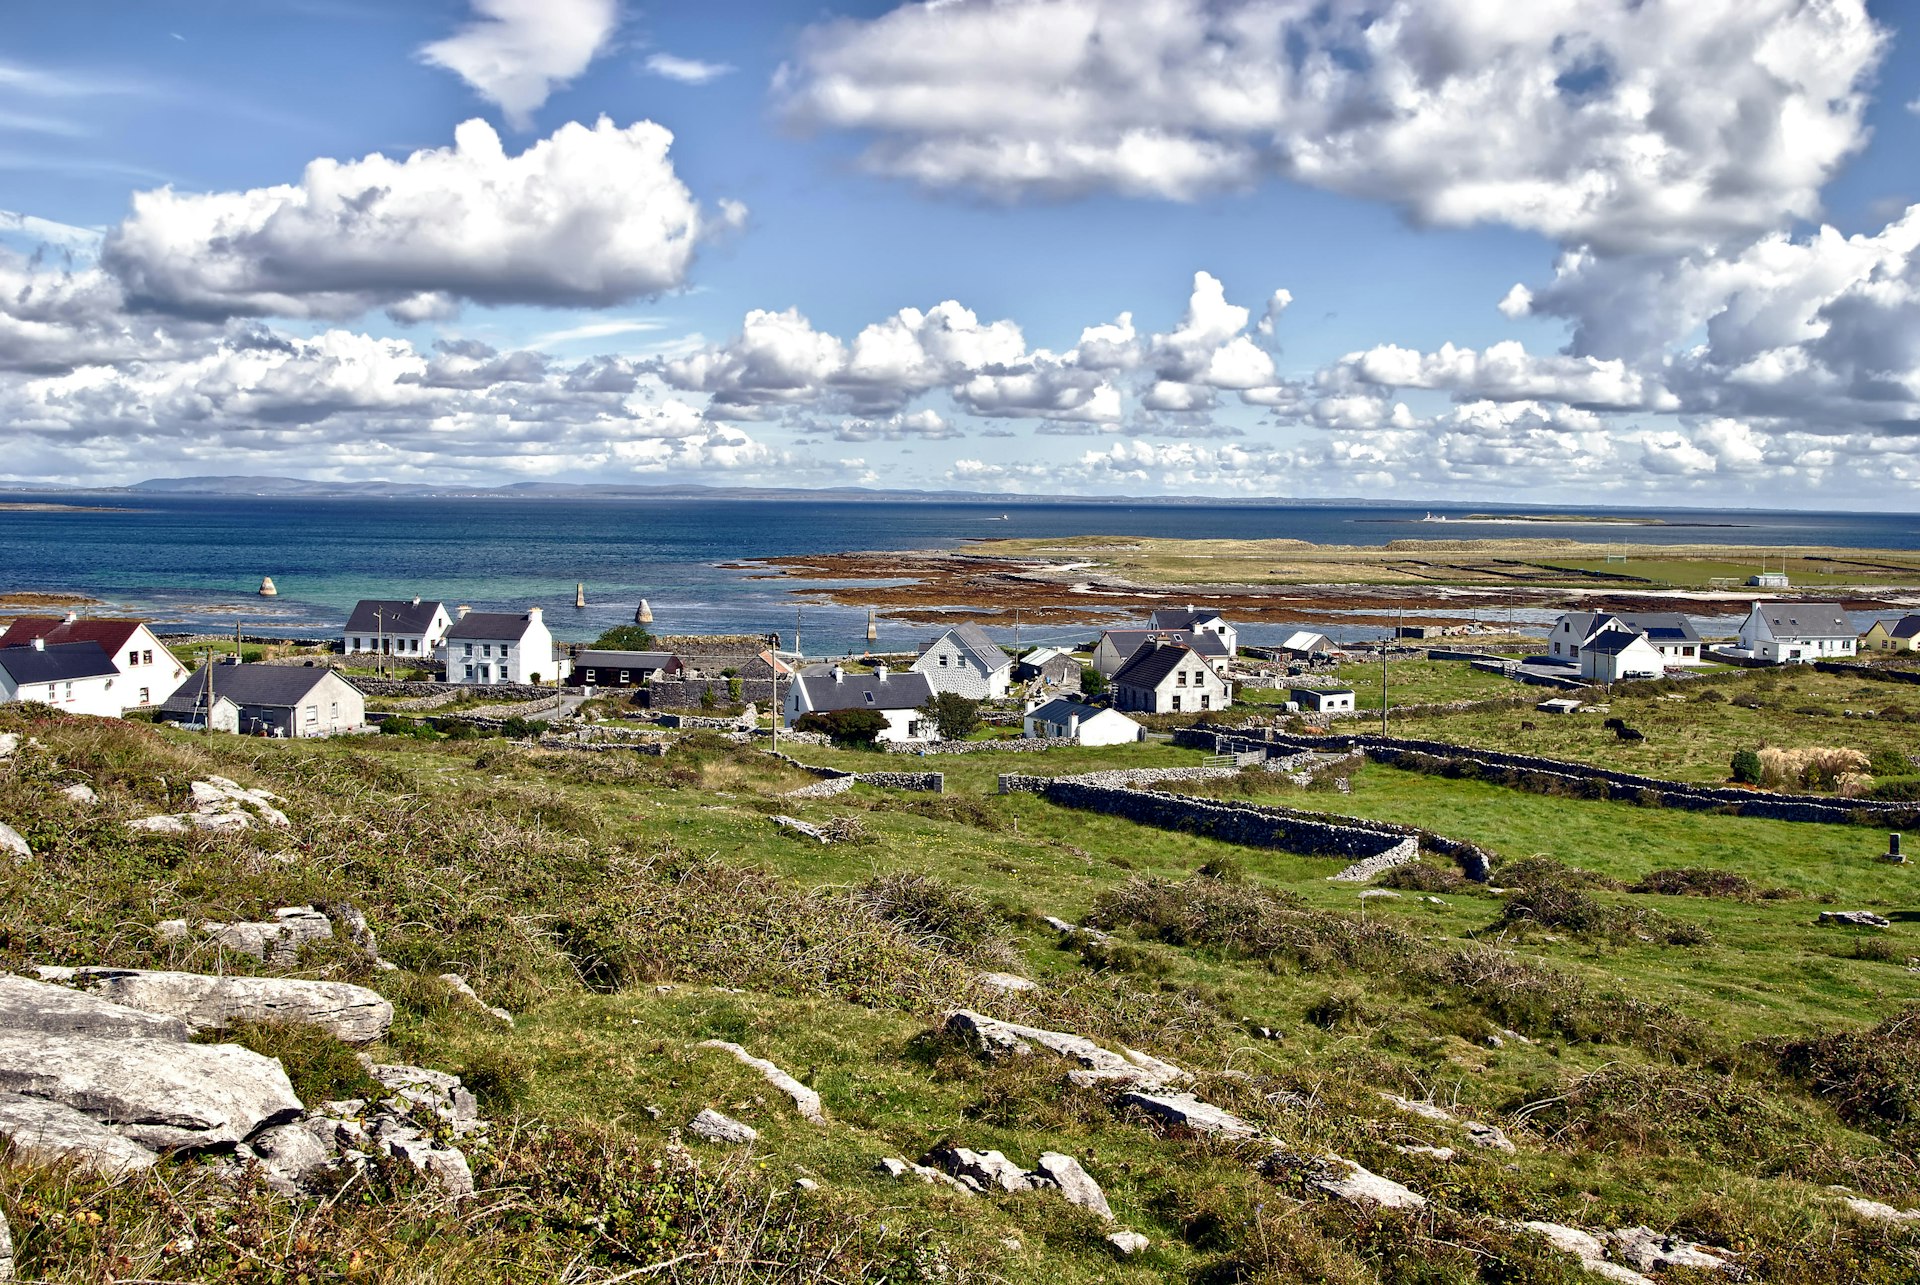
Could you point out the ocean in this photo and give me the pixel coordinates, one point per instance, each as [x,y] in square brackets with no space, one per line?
[195,562]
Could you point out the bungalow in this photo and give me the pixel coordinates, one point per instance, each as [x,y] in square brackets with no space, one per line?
[1065,719]
[1671,634]
[73,677]
[396,627]
[1618,654]
[823,689]
[1198,620]
[1306,644]
[1049,667]
[267,700]
[1323,700]
[595,668]
[966,661]
[148,671]
[1883,635]
[1118,646]
[1170,678]
[1797,632]
[502,647]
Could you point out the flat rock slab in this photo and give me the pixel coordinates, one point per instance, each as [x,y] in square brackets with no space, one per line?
[1189,1112]
[159,1094]
[980,1170]
[1652,1251]
[1346,1180]
[805,1100]
[49,1132]
[279,940]
[1874,1211]
[27,1005]
[1854,919]
[1011,983]
[993,1037]
[1589,1250]
[1128,1243]
[352,1013]
[11,843]
[714,1127]
[905,1169]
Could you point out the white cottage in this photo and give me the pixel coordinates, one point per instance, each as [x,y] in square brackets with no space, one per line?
[1198,620]
[1118,646]
[397,627]
[964,660]
[502,647]
[823,689]
[1170,679]
[74,678]
[1797,632]
[1669,633]
[1063,719]
[148,671]
[1619,654]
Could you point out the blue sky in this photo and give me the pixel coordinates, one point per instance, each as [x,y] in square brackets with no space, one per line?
[874,250]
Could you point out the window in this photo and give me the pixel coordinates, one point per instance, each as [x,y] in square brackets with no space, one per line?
[333,711]
[469,669]
[133,657]
[146,658]
[1180,679]
[869,698]
[486,649]
[146,696]
[1176,702]
[503,650]
[313,713]
[469,652]
[359,644]
[623,678]
[69,691]
[943,660]
[1206,702]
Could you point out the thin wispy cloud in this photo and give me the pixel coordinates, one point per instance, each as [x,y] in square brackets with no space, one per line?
[598,330]
[688,71]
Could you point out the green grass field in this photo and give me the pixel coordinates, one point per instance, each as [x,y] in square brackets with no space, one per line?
[626,907]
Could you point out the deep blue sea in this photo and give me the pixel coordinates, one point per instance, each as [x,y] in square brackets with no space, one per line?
[196,561]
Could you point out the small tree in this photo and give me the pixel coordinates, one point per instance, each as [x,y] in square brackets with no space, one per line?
[1092,681]
[1746,767]
[736,690]
[953,714]
[625,638]
[707,702]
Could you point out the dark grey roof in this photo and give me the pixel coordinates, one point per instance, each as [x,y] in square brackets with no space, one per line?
[57,663]
[400,616]
[1806,619]
[490,625]
[274,686]
[1180,617]
[1063,709]
[1129,641]
[982,650]
[1905,627]
[625,660]
[1150,665]
[1611,642]
[1662,626]
[899,689]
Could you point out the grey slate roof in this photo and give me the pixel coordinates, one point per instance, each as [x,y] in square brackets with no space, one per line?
[401,616]
[899,689]
[1905,627]
[1612,642]
[58,663]
[1660,626]
[979,648]
[1806,619]
[625,660]
[1130,641]
[273,686]
[1151,665]
[490,625]
[1180,617]
[1063,710]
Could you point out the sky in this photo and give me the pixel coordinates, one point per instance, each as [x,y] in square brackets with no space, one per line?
[1532,251]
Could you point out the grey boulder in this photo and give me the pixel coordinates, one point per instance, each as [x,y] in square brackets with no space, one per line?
[1075,1183]
[159,1094]
[352,1013]
[10,841]
[48,1132]
[276,941]
[714,1127]
[1854,919]
[980,1170]
[27,1005]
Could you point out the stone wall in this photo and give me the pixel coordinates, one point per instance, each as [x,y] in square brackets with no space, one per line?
[1556,776]
[1378,845]
[1016,745]
[407,688]
[924,782]
[1875,673]
[685,693]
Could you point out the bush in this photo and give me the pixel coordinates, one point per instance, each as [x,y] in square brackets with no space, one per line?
[1746,767]
[1424,876]
[953,714]
[1247,920]
[858,727]
[1890,762]
[1817,767]
[1530,871]
[1872,1077]
[937,914]
[625,638]
[1694,881]
[1092,681]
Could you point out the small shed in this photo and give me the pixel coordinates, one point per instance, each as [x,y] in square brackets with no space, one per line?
[1559,705]
[1324,700]
[1769,580]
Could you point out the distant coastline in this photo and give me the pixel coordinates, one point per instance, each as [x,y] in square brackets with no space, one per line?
[23,506]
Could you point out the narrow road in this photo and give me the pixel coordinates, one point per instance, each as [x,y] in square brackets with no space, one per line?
[565,709]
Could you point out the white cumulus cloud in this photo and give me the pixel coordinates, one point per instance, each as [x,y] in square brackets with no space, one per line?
[517,52]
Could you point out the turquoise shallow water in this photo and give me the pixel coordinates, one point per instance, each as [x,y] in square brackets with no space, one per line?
[196,561]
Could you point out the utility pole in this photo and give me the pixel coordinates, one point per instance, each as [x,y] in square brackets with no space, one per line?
[1384,643]
[206,667]
[1016,631]
[379,640]
[796,631]
[777,707]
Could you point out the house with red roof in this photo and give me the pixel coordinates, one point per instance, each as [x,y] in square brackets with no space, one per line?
[147,671]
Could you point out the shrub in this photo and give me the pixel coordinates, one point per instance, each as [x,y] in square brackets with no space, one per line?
[1540,869]
[1890,762]
[937,914]
[518,728]
[953,714]
[1816,767]
[1872,1077]
[1746,767]
[1092,681]
[1711,696]
[624,638]
[858,727]
[1694,881]
[1243,919]
[1424,876]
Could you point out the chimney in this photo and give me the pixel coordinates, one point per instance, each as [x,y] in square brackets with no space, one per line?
[533,615]
[71,617]
[416,599]
[838,673]
[40,644]
[880,672]
[460,612]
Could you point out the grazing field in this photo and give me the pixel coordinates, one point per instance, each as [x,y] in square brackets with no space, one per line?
[1409,682]
[1687,1062]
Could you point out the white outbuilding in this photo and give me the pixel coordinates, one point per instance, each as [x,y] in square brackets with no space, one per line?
[1063,719]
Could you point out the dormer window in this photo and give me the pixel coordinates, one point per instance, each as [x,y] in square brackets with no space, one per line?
[869,698]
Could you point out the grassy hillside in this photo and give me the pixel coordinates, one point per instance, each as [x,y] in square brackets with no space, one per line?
[1687,1062]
